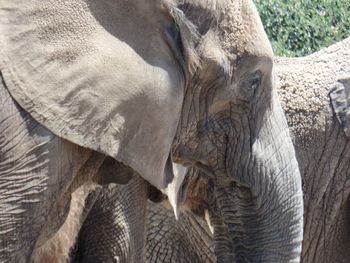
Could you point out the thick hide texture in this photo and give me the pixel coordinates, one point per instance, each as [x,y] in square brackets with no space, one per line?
[97,73]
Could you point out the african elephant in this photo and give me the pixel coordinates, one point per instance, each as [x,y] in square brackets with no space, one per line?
[146,84]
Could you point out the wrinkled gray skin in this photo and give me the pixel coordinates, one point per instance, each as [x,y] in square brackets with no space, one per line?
[169,240]
[121,224]
[231,128]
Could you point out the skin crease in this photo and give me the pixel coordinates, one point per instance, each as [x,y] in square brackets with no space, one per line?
[230,125]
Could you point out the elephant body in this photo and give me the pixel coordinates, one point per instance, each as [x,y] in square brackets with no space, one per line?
[124,224]
[154,93]
[187,239]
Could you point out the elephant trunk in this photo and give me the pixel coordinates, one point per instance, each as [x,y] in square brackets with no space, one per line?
[263,208]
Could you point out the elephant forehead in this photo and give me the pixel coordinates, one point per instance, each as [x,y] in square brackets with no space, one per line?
[242,30]
[235,23]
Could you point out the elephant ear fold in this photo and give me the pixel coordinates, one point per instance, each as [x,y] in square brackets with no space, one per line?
[106,75]
[340,102]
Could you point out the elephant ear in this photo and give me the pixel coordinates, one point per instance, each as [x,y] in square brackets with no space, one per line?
[107,75]
[340,101]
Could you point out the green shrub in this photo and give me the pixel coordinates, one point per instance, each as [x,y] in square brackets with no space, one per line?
[301,27]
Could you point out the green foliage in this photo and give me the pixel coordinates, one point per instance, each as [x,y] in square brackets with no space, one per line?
[301,27]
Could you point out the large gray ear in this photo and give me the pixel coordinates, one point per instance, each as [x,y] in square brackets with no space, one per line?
[102,74]
[340,101]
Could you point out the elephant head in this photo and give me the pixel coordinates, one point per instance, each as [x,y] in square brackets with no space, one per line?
[151,82]
[232,129]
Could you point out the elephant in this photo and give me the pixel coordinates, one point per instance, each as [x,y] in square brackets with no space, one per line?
[139,86]
[313,91]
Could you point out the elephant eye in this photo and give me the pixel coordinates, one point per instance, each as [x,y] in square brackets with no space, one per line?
[251,85]
[255,81]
